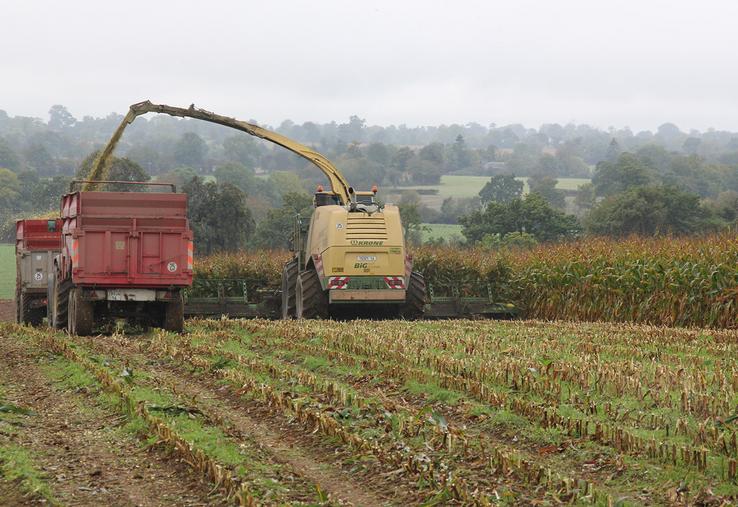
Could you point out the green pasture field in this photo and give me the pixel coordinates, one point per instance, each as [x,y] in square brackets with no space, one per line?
[7,271]
[445,231]
[469,186]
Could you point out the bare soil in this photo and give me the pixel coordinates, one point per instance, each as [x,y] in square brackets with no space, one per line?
[7,310]
[78,443]
[308,455]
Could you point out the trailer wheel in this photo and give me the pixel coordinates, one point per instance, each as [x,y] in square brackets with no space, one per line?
[80,314]
[174,315]
[61,303]
[415,298]
[18,306]
[289,287]
[28,314]
[312,301]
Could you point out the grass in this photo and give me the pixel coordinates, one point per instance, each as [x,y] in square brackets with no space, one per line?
[16,465]
[445,231]
[469,186]
[7,271]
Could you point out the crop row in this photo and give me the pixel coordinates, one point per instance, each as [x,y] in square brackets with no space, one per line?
[538,377]
[664,281]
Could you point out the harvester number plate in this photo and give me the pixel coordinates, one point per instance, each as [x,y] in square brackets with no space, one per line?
[366,258]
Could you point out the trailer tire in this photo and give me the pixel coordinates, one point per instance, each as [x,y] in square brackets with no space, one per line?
[28,314]
[415,298]
[18,306]
[311,299]
[289,289]
[61,303]
[174,315]
[80,314]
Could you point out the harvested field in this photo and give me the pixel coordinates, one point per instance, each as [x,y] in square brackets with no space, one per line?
[385,413]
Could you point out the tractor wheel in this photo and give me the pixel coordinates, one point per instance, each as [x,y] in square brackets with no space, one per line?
[61,303]
[312,301]
[289,286]
[80,314]
[174,315]
[28,314]
[415,298]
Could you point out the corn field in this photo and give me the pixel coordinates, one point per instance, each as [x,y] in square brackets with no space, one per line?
[661,281]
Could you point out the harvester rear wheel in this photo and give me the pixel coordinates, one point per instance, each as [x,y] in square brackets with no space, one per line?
[80,314]
[312,301]
[289,287]
[61,303]
[174,315]
[415,298]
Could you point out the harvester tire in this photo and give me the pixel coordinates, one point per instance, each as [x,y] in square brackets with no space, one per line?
[289,288]
[174,315]
[311,299]
[415,298]
[28,314]
[61,303]
[80,314]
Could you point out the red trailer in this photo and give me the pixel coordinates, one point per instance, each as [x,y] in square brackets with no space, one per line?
[37,241]
[123,255]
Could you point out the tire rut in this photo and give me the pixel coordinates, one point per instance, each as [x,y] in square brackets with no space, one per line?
[80,447]
[305,454]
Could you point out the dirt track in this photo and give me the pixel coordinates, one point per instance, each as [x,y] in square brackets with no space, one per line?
[80,446]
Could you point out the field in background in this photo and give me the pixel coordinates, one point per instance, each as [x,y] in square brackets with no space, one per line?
[468,186]
[7,271]
[445,231]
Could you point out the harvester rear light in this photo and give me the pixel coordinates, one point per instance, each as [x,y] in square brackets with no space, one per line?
[338,282]
[395,282]
[190,255]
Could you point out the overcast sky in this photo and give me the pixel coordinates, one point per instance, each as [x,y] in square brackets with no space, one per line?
[631,63]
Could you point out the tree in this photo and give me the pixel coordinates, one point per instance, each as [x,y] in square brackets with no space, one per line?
[378,153]
[60,118]
[190,150]
[42,194]
[585,198]
[626,173]
[412,223]
[242,149]
[237,175]
[39,158]
[613,151]
[531,214]
[545,186]
[10,195]
[275,231]
[501,188]
[218,215]
[8,158]
[179,176]
[461,156]
[454,207]
[120,169]
[647,211]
